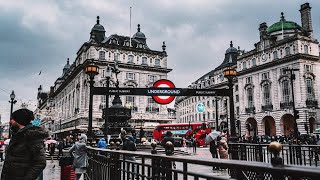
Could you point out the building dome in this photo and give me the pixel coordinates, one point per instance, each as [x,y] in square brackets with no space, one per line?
[139,34]
[283,25]
[98,26]
[67,66]
[231,49]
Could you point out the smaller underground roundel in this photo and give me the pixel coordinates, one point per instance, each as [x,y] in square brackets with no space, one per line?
[163,83]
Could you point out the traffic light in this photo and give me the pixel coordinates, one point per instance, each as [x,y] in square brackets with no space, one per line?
[296,114]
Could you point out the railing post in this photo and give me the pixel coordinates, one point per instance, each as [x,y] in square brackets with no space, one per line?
[243,150]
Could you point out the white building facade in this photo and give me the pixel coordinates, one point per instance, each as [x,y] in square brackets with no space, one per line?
[262,92]
[139,67]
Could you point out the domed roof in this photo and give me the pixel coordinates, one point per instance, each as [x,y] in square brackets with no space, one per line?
[231,49]
[139,34]
[283,25]
[98,26]
[67,66]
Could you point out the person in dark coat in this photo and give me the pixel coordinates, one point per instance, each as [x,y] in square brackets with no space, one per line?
[25,155]
[213,150]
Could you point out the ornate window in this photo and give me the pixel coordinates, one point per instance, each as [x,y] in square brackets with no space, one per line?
[152,78]
[266,94]
[102,55]
[130,76]
[130,102]
[144,61]
[116,57]
[254,62]
[130,59]
[275,55]
[250,97]
[287,50]
[244,65]
[286,91]
[310,90]
[306,49]
[157,62]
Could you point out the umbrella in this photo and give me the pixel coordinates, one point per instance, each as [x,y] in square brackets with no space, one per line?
[49,141]
[212,136]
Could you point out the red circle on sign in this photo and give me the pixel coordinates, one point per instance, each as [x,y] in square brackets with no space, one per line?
[164,82]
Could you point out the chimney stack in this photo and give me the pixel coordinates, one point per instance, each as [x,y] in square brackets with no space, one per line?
[306,22]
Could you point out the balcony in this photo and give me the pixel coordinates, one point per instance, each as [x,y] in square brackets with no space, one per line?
[250,109]
[286,105]
[311,103]
[267,107]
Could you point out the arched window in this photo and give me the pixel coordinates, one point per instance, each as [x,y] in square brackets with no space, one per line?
[102,55]
[266,94]
[130,59]
[250,97]
[306,49]
[254,62]
[286,91]
[310,91]
[157,62]
[275,55]
[287,50]
[244,65]
[144,61]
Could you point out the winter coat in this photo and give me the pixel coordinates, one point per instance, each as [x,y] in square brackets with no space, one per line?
[102,144]
[222,149]
[79,153]
[25,158]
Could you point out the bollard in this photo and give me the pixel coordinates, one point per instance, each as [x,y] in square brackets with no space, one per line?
[274,148]
[153,145]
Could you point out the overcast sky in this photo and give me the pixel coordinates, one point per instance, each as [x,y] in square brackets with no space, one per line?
[39,35]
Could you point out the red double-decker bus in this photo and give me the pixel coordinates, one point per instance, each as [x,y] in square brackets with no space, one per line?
[186,130]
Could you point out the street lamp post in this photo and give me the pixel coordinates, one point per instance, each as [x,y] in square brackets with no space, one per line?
[106,114]
[230,74]
[306,123]
[12,101]
[91,70]
[217,115]
[293,77]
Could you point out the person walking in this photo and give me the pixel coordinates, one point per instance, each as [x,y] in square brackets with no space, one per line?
[25,154]
[213,150]
[80,157]
[194,144]
[52,149]
[222,147]
[60,148]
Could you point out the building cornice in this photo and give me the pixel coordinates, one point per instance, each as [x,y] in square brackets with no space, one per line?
[284,60]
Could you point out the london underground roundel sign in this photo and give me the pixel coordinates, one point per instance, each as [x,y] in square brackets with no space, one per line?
[163,83]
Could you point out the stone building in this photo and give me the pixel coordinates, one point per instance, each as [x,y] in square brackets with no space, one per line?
[139,67]
[263,93]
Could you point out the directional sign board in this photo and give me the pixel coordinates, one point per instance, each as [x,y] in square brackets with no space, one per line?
[161,91]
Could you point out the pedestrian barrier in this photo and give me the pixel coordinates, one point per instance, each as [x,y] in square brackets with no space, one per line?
[292,154]
[105,164]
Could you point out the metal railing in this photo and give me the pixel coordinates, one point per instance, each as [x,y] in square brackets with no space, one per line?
[305,155]
[105,164]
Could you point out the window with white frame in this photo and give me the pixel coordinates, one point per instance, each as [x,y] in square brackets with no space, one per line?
[130,76]
[308,67]
[244,65]
[310,90]
[130,103]
[102,55]
[144,61]
[157,62]
[287,50]
[116,56]
[265,76]
[130,59]
[286,93]
[249,80]
[152,78]
[250,97]
[266,94]
[254,62]
[275,54]
[306,49]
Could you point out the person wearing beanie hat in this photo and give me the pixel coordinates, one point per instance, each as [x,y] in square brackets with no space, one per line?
[26,150]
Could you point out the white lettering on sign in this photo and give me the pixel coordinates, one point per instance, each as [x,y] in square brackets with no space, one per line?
[205,92]
[164,91]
